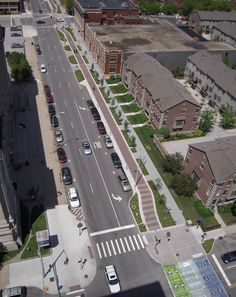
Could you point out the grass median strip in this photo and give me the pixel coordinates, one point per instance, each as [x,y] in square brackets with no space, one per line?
[142,166]
[134,205]
[115,115]
[85,59]
[79,75]
[104,95]
[67,48]
[69,29]
[72,59]
[207,245]
[61,35]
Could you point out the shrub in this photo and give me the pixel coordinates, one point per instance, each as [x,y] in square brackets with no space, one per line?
[233,210]
[183,185]
[20,68]
[198,133]
[173,163]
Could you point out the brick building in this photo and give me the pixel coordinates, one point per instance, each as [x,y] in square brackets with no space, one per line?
[213,165]
[105,12]
[10,6]
[165,101]
[225,32]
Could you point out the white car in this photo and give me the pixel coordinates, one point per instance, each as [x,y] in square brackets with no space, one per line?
[108,142]
[112,279]
[87,148]
[43,68]
[59,20]
[59,136]
[73,198]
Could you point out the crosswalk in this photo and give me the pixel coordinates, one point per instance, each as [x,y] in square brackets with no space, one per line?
[120,246]
[78,213]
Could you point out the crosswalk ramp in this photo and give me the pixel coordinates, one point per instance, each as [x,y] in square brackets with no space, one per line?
[120,246]
[78,213]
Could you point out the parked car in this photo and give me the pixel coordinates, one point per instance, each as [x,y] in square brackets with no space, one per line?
[116,160]
[108,142]
[38,50]
[47,89]
[43,68]
[73,198]
[16,45]
[112,279]
[101,128]
[124,183]
[40,22]
[49,98]
[14,292]
[61,155]
[90,104]
[86,147]
[40,11]
[51,109]
[59,20]
[229,257]
[15,34]
[59,136]
[66,176]
[95,114]
[54,121]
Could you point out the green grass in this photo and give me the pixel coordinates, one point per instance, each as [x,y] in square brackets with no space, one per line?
[79,48]
[226,213]
[134,206]
[126,136]
[104,95]
[125,98]
[95,75]
[67,48]
[72,59]
[133,107]
[61,35]
[113,79]
[31,249]
[118,89]
[69,29]
[139,118]
[165,218]
[79,75]
[85,59]
[115,115]
[207,245]
[142,166]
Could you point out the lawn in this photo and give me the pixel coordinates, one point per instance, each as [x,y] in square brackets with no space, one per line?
[104,95]
[133,107]
[115,115]
[142,167]
[118,89]
[226,213]
[79,75]
[95,75]
[69,29]
[79,48]
[128,140]
[134,205]
[139,118]
[164,216]
[207,245]
[72,59]
[61,35]
[125,98]
[113,79]
[85,59]
[67,48]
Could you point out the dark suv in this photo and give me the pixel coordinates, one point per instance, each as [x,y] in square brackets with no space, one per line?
[51,109]
[95,114]
[101,128]
[116,160]
[229,257]
[66,176]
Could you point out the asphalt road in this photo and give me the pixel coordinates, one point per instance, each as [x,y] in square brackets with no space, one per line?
[96,179]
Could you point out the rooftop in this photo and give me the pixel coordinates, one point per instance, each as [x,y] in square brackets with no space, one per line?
[150,38]
[227,28]
[216,15]
[213,66]
[103,4]
[221,156]
[159,81]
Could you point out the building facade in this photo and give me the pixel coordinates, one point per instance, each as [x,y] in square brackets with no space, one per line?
[225,32]
[213,166]
[164,100]
[10,6]
[215,80]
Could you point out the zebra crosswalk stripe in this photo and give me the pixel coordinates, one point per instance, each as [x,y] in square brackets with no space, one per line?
[127,244]
[117,244]
[136,242]
[99,252]
[113,247]
[109,251]
[104,251]
[122,244]
[130,239]
[140,239]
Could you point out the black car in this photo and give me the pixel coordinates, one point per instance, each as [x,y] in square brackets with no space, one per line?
[40,11]
[116,160]
[54,121]
[66,176]
[95,114]
[51,109]
[229,257]
[90,104]
[40,22]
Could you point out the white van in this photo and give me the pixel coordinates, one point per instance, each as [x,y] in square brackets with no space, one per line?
[14,292]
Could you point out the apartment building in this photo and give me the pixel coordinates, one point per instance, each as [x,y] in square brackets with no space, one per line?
[224,32]
[10,6]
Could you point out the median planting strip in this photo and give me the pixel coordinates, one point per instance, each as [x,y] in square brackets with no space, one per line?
[79,75]
[134,205]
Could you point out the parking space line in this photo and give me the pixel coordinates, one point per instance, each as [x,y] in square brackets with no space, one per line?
[109,251]
[127,244]
[99,252]
[104,251]
[140,239]
[131,241]
[117,244]
[221,270]
[91,187]
[122,244]
[135,239]
[113,247]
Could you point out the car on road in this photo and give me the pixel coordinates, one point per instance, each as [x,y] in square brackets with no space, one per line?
[49,98]
[38,50]
[108,142]
[16,45]
[43,68]
[116,160]
[61,155]
[59,136]
[95,114]
[59,20]
[90,104]
[86,147]
[124,182]
[47,89]
[73,198]
[19,291]
[40,22]
[15,34]
[54,121]
[66,176]
[40,11]
[101,128]
[51,109]
[229,257]
[112,279]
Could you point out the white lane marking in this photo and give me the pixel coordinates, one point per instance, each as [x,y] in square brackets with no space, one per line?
[72,125]
[48,47]
[122,244]
[131,241]
[140,239]
[112,230]
[127,244]
[69,84]
[135,239]
[232,266]
[74,292]
[63,69]
[145,239]
[104,251]
[99,252]
[91,187]
[117,244]
[55,70]
[113,247]
[109,251]
[65,102]
[221,270]
[59,85]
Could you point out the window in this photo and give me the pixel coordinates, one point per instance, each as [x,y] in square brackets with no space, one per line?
[195,177]
[113,58]
[208,192]
[200,81]
[179,123]
[202,166]
[186,160]
[115,13]
[218,99]
[112,68]
[190,150]
[215,96]
[104,14]
[184,110]
[233,193]
[197,110]
[220,184]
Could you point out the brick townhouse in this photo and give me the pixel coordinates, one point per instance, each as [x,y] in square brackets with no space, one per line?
[216,80]
[224,32]
[213,165]
[165,101]
[105,12]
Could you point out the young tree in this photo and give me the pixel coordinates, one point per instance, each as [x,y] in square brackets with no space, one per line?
[69,6]
[206,120]
[228,119]
[183,185]
[173,163]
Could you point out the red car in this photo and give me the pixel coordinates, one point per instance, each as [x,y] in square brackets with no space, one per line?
[46,89]
[61,155]
[101,128]
[49,98]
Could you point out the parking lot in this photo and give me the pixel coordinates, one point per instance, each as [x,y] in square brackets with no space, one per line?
[14,40]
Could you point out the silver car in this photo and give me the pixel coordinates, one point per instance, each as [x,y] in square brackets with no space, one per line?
[87,148]
[108,142]
[59,136]
[124,183]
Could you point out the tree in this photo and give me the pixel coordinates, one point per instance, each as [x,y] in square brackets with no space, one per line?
[173,163]
[169,9]
[178,72]
[183,185]
[228,119]
[69,6]
[233,209]
[20,68]
[206,120]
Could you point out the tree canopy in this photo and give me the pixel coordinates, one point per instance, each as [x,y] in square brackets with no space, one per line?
[183,185]
[20,68]
[228,119]
[173,163]
[206,120]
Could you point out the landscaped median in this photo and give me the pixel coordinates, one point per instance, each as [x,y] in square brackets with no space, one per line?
[67,48]
[207,245]
[134,206]
[72,59]
[61,35]
[79,75]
